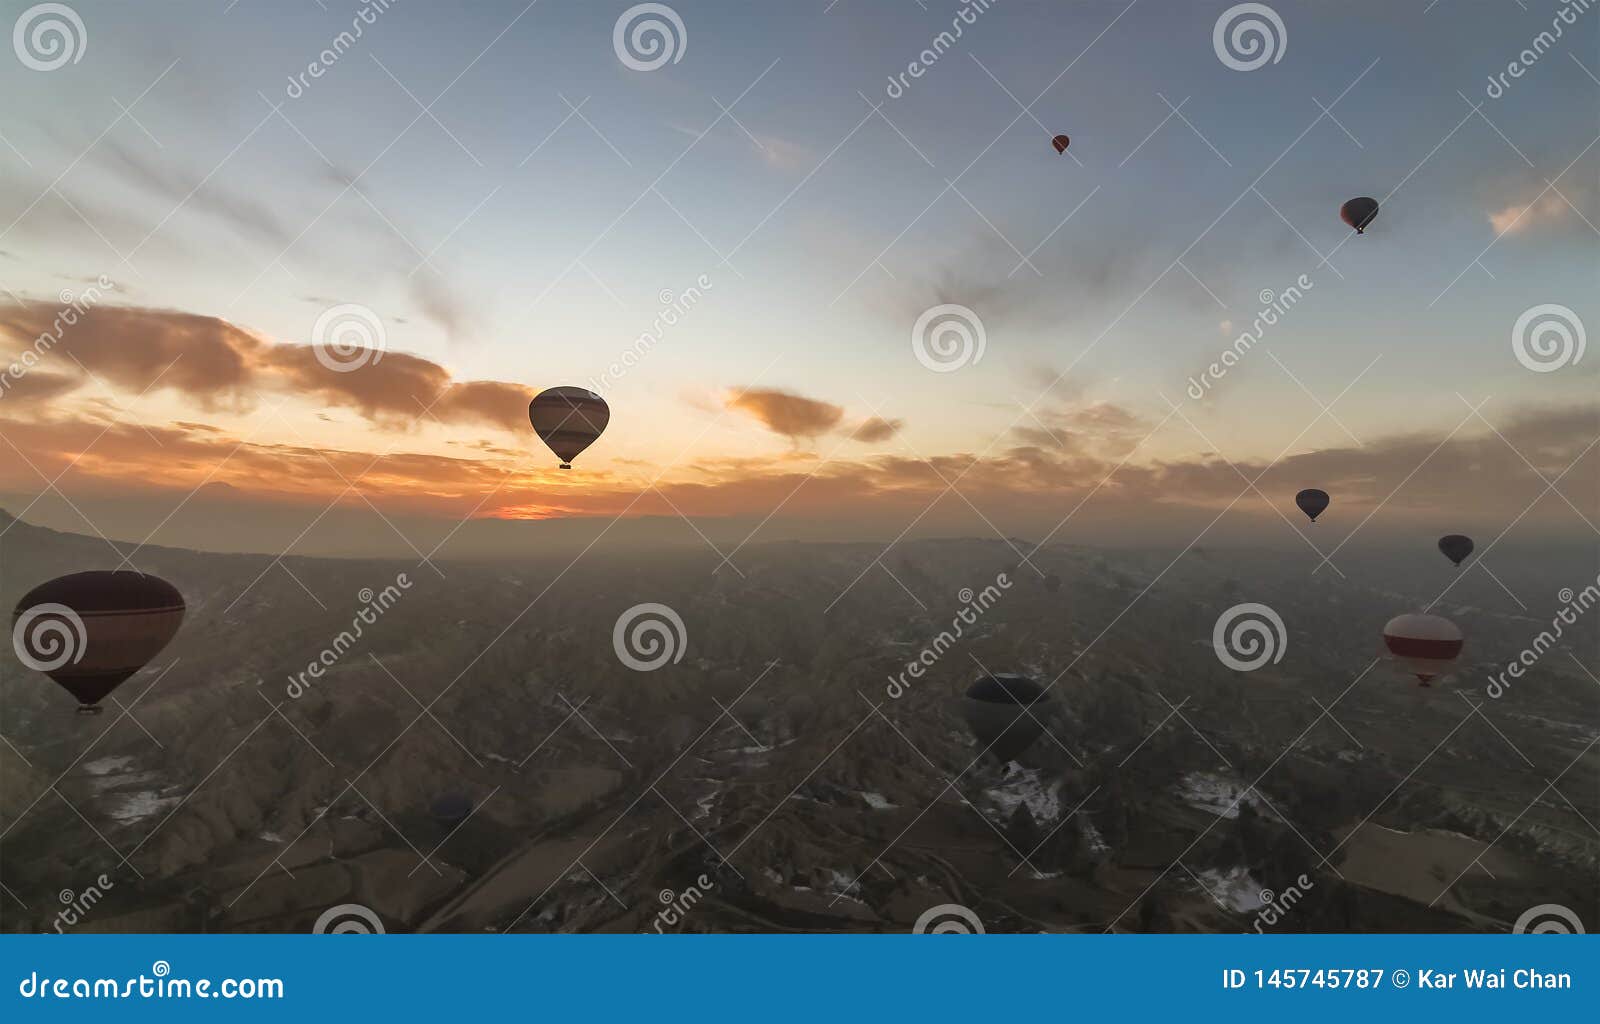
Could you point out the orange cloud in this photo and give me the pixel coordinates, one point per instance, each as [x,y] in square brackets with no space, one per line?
[786,413]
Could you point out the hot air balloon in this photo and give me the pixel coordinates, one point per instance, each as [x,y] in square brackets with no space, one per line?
[1061,142]
[451,809]
[568,420]
[1456,547]
[1312,502]
[1358,213]
[1427,645]
[994,710]
[90,631]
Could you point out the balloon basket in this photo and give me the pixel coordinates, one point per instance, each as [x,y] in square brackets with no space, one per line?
[89,709]
[566,465]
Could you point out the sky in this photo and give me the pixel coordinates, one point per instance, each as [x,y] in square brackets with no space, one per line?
[735,248]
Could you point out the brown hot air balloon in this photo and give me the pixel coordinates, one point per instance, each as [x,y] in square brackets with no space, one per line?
[90,631]
[568,420]
[1061,142]
[1358,213]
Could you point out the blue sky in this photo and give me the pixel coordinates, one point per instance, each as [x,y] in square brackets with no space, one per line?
[549,236]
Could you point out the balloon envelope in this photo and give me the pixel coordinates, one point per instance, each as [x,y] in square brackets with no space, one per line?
[568,420]
[994,708]
[1061,142]
[1427,645]
[90,631]
[1312,502]
[1358,212]
[1456,547]
[451,809]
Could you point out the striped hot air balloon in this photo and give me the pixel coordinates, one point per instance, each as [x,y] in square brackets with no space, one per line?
[568,420]
[1427,645]
[90,631]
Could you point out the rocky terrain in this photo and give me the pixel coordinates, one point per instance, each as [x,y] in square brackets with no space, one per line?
[773,779]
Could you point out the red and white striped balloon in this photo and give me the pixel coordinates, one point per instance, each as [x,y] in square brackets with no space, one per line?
[1427,645]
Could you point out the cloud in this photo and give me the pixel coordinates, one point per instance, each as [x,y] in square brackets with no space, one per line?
[876,428]
[221,365]
[783,412]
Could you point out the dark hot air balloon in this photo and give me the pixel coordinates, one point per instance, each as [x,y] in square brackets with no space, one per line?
[1426,645]
[1312,502]
[1061,142]
[1456,547]
[1358,213]
[568,420]
[90,631]
[1003,713]
[451,809]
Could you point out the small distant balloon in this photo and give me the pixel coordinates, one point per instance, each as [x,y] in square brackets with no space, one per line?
[994,708]
[568,420]
[1358,213]
[1456,547]
[1061,142]
[1313,502]
[1426,645]
[91,631]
